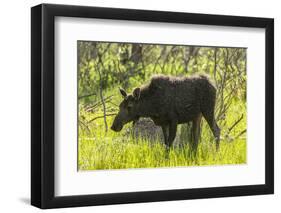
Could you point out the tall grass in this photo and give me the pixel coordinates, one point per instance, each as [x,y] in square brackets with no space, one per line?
[99,150]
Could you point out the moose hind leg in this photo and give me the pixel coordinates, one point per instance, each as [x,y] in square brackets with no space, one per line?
[217,132]
[214,127]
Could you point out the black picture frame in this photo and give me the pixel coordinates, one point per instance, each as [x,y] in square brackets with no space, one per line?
[43,102]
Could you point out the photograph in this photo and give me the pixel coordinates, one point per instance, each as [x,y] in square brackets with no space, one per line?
[144,105]
[138,105]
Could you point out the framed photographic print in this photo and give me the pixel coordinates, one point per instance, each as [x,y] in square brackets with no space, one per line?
[139,106]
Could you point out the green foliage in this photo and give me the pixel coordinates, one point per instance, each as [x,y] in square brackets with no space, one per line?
[104,67]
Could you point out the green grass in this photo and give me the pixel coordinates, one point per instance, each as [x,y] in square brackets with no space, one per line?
[99,150]
[116,154]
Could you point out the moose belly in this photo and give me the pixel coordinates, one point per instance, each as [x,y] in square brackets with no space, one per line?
[187,113]
[160,120]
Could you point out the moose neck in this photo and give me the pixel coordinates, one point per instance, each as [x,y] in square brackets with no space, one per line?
[145,105]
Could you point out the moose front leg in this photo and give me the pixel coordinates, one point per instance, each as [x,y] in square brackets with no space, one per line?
[165,134]
[172,132]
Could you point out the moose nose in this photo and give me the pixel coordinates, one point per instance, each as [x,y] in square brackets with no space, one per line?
[116,128]
[113,128]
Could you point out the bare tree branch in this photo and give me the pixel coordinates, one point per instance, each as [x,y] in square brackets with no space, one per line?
[86,96]
[241,133]
[235,123]
[90,108]
[102,116]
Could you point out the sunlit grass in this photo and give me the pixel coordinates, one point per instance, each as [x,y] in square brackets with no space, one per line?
[99,150]
[115,153]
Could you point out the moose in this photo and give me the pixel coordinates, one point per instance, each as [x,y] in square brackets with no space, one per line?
[170,101]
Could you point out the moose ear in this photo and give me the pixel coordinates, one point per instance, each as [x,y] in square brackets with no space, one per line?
[136,93]
[123,92]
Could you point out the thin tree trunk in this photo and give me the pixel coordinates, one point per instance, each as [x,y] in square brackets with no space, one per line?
[102,101]
[215,65]
[101,94]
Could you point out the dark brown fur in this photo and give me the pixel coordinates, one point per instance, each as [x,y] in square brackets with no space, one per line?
[170,101]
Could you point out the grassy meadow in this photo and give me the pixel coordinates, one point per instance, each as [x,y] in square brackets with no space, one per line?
[111,150]
[102,71]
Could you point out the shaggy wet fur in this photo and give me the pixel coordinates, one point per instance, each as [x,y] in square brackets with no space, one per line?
[170,101]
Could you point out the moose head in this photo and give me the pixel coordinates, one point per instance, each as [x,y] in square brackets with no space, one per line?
[128,109]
